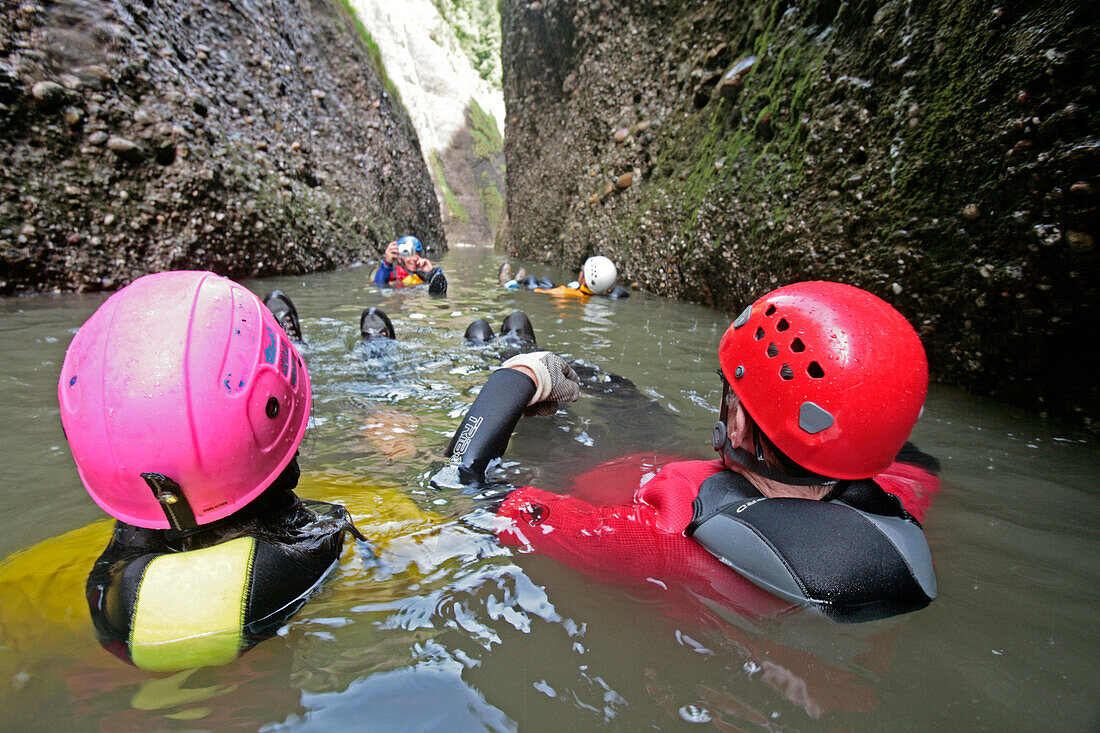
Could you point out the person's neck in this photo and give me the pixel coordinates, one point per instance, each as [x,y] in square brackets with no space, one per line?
[773,489]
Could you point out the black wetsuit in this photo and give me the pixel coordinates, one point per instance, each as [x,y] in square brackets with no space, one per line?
[857,557]
[163,608]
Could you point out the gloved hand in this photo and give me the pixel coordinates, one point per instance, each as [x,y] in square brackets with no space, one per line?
[555,380]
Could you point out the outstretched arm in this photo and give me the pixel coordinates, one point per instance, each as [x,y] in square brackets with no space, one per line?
[539,379]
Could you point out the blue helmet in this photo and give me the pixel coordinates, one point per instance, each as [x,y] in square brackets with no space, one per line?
[408,245]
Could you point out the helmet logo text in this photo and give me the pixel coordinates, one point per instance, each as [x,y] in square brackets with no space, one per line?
[269,347]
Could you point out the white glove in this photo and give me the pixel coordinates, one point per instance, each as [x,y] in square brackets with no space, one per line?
[555,380]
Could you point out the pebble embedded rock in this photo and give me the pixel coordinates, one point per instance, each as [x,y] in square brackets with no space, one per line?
[49,94]
[126,151]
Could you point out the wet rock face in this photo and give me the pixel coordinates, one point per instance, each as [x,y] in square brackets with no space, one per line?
[941,155]
[247,139]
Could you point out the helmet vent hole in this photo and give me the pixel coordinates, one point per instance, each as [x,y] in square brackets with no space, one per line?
[797,346]
[759,333]
[815,370]
[773,350]
[272,408]
[782,325]
[770,310]
[786,372]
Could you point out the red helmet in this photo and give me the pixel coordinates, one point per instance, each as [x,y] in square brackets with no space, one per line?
[835,377]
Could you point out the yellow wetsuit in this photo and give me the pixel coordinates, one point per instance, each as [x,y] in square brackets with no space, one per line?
[169,611]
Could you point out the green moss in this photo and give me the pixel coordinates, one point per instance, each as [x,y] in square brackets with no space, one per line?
[450,200]
[492,203]
[483,127]
[950,111]
[476,25]
[372,50]
[756,141]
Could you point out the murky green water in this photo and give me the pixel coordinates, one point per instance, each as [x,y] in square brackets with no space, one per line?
[450,631]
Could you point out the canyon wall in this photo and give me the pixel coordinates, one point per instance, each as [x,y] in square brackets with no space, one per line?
[941,154]
[250,138]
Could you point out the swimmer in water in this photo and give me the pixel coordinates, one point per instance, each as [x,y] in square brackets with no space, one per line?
[184,405]
[822,385]
[597,277]
[403,263]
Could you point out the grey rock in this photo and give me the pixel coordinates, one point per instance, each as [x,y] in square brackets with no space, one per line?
[49,94]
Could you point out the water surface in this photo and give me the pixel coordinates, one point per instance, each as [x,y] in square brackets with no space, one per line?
[449,630]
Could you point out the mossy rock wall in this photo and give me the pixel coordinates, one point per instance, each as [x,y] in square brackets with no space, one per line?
[250,139]
[942,155]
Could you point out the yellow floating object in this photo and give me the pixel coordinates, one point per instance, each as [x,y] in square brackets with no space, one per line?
[564,291]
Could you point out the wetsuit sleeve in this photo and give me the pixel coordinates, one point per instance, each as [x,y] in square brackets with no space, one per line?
[484,432]
[625,539]
[614,541]
[382,274]
[627,544]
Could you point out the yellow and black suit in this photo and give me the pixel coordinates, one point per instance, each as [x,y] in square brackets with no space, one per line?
[163,607]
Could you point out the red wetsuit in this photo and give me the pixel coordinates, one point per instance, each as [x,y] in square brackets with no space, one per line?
[644,541]
[882,566]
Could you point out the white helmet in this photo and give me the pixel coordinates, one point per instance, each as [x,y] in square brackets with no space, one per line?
[599,274]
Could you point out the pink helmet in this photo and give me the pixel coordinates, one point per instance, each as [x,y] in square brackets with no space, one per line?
[182,400]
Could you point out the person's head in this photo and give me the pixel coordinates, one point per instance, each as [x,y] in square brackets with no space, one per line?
[182,400]
[598,275]
[823,382]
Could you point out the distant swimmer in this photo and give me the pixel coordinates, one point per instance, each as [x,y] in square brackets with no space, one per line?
[403,264]
[597,277]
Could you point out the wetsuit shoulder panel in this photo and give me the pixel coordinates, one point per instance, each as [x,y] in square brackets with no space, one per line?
[190,607]
[851,564]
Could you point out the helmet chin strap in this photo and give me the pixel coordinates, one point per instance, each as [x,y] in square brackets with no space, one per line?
[756,463]
[172,501]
